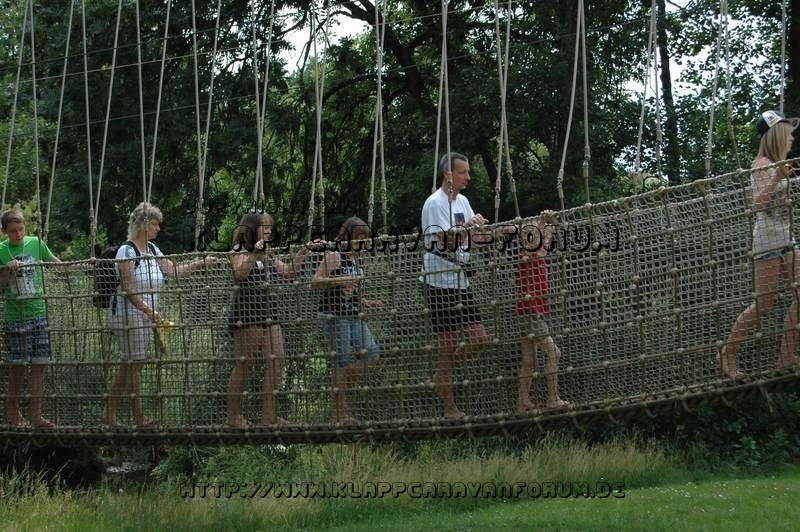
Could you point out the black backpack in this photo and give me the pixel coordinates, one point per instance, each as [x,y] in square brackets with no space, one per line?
[104,275]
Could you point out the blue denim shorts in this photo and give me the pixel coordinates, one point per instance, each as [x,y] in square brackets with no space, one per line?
[27,341]
[774,254]
[351,339]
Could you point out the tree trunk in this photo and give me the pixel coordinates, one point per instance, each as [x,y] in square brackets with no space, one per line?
[793,63]
[672,162]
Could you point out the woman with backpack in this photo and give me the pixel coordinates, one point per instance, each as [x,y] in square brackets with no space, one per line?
[133,309]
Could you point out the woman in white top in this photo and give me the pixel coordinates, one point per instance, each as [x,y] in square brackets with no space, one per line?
[774,250]
[133,308]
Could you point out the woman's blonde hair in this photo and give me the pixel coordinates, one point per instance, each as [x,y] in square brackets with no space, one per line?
[775,142]
[140,218]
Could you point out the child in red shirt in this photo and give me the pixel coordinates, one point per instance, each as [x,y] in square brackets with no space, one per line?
[532,310]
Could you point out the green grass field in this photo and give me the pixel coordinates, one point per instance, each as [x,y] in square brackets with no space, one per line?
[729,504]
[659,492]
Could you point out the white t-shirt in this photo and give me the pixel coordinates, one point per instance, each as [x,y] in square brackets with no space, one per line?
[439,215]
[147,280]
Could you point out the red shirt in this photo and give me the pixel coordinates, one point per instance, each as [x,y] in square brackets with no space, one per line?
[532,281]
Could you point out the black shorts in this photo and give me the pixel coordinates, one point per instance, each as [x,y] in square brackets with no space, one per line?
[251,309]
[451,309]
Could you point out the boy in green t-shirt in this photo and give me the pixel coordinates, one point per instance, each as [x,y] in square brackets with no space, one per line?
[25,324]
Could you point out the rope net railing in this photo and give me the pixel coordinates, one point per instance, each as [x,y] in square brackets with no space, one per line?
[642,294]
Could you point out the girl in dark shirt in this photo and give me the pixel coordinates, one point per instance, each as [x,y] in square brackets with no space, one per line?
[252,318]
[350,338]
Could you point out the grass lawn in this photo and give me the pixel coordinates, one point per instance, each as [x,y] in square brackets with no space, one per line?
[741,504]
[768,502]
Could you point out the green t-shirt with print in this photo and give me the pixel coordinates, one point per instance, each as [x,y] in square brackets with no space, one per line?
[24,291]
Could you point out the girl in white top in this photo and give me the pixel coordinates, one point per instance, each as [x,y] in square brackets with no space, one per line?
[774,251]
[133,309]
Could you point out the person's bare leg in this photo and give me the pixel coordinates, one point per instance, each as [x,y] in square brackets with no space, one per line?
[136,393]
[16,374]
[239,375]
[342,379]
[443,376]
[119,386]
[766,283]
[477,339]
[791,273]
[238,378]
[553,355]
[525,376]
[37,396]
[275,358]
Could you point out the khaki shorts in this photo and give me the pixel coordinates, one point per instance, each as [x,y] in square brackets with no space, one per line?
[534,325]
[133,336]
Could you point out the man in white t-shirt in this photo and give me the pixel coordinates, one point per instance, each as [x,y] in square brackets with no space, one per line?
[446,219]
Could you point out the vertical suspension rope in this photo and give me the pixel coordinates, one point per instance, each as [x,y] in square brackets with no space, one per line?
[721,33]
[35,104]
[587,152]
[258,192]
[145,189]
[435,182]
[729,108]
[12,124]
[502,138]
[445,98]
[202,140]
[657,89]
[511,181]
[377,135]
[318,169]
[560,178]
[313,192]
[651,67]
[198,139]
[158,99]
[317,179]
[384,194]
[200,214]
[503,143]
[784,27]
[58,123]
[92,209]
[441,105]
[446,82]
[261,104]
[96,207]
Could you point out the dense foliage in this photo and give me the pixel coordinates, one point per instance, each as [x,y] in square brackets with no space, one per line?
[143,125]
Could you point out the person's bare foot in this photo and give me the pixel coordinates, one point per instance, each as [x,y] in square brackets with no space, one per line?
[279,421]
[726,365]
[557,403]
[17,420]
[346,420]
[453,413]
[145,422]
[525,406]
[237,422]
[43,423]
